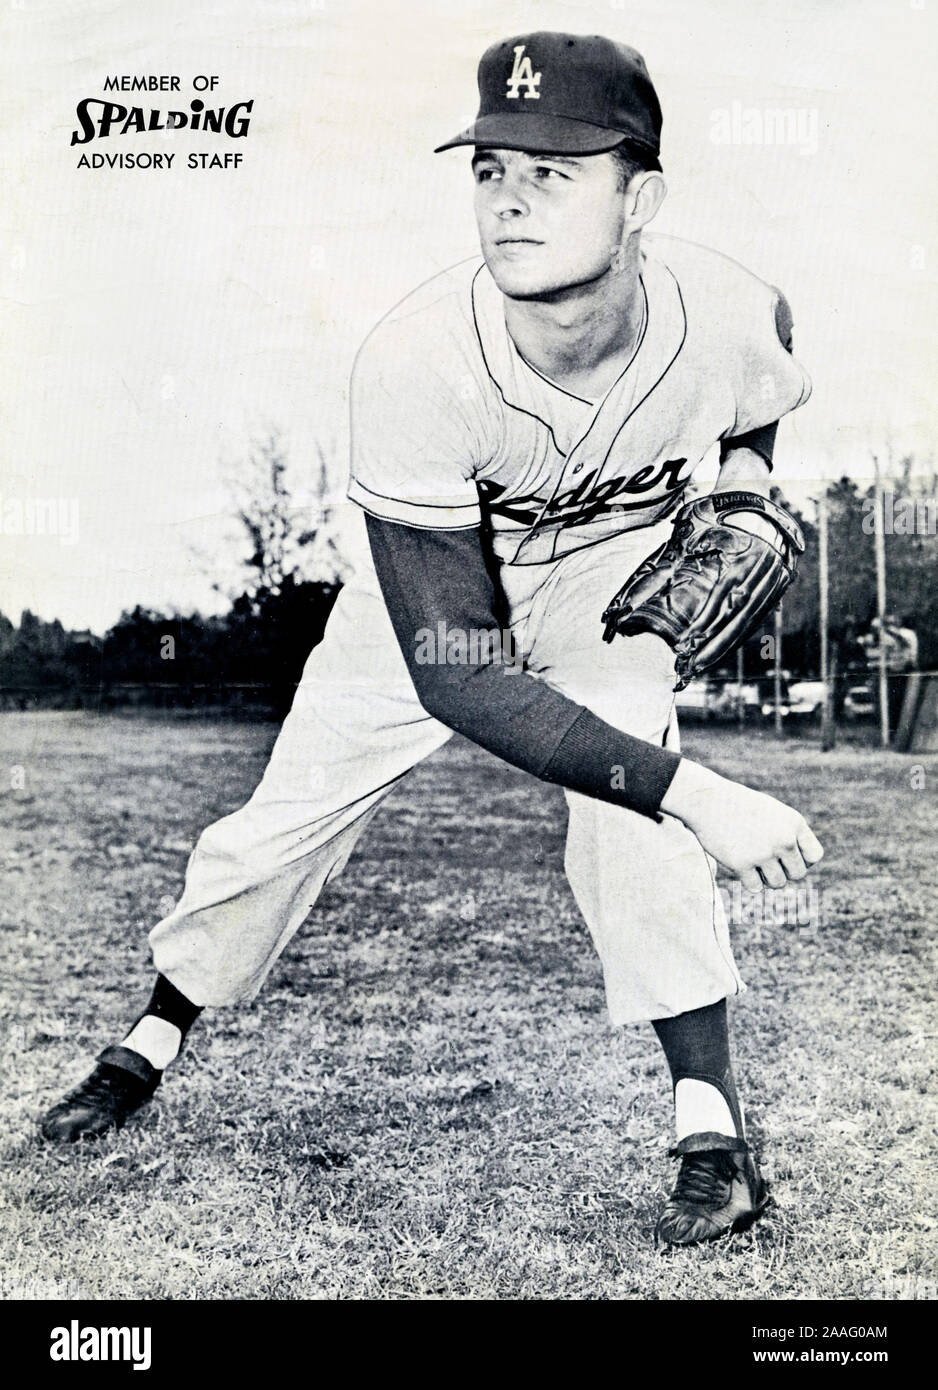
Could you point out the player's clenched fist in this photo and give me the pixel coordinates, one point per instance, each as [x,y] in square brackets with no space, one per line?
[761,840]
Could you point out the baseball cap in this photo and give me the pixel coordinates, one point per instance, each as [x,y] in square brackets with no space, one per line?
[565,94]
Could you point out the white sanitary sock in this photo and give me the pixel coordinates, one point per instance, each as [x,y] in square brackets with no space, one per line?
[700,1108]
[156,1040]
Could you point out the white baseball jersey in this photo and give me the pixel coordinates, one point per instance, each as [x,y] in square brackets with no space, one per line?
[450,425]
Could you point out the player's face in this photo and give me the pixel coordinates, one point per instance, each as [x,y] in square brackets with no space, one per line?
[547,222]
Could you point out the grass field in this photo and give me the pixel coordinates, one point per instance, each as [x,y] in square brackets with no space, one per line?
[426,1100]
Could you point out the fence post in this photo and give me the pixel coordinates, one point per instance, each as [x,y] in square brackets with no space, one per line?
[879,539]
[777,673]
[827,727]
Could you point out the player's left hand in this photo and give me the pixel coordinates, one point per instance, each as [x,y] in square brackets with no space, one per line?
[727,563]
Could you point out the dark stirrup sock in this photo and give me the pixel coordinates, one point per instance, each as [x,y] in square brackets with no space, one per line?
[167,1002]
[697,1047]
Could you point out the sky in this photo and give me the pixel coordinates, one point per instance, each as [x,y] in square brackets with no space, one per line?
[156,321]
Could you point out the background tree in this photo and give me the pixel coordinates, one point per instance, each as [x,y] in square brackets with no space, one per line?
[292,571]
[281,540]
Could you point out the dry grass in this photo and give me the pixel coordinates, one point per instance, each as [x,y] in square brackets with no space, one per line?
[426,1101]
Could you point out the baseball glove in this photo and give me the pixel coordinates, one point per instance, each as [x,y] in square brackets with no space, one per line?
[707,587]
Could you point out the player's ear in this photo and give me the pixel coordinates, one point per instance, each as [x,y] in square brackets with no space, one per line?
[643,197]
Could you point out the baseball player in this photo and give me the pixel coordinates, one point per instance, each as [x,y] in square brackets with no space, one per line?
[524,426]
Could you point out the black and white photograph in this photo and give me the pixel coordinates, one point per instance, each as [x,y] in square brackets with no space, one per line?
[469,662]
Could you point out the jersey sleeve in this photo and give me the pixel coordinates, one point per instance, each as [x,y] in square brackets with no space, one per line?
[414,443]
[771,381]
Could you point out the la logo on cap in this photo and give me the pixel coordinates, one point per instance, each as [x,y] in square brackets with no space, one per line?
[523,75]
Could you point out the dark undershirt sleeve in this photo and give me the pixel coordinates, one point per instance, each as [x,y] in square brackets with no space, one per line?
[761,441]
[431,578]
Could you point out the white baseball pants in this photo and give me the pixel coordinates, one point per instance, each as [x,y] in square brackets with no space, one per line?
[646,889]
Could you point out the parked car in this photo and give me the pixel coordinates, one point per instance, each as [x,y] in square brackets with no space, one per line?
[801,699]
[716,698]
[727,695]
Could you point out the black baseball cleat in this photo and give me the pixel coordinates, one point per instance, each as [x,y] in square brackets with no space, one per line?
[121,1082]
[718,1189]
